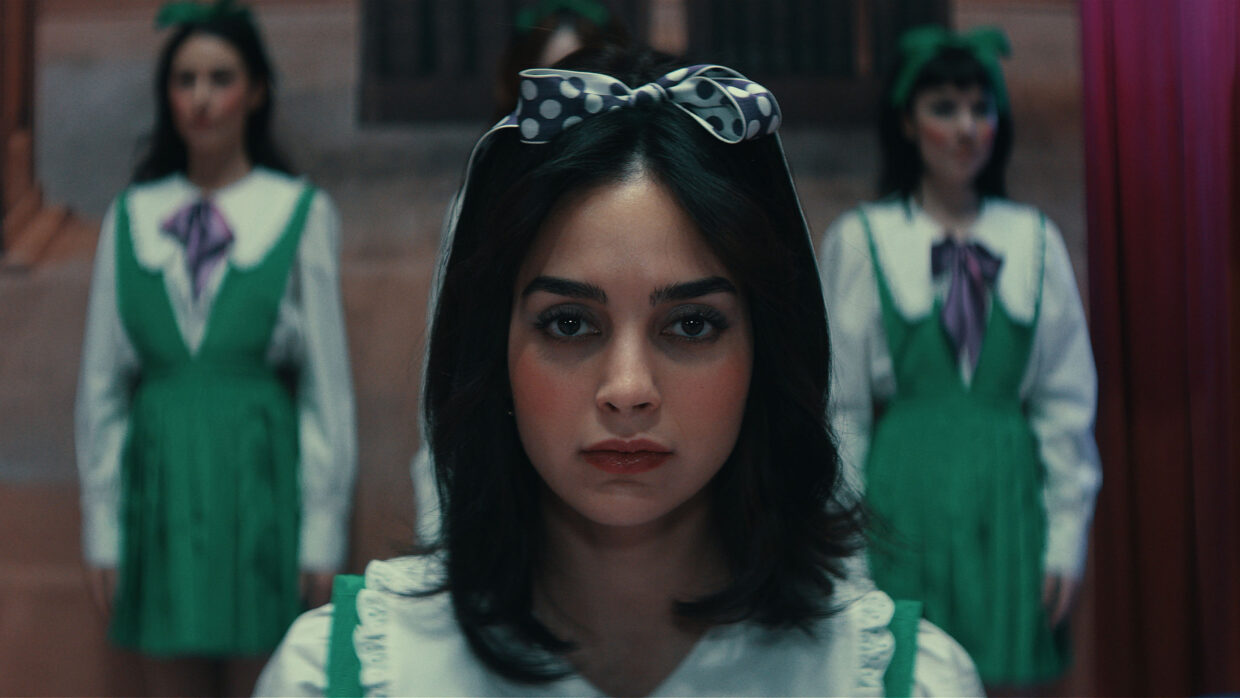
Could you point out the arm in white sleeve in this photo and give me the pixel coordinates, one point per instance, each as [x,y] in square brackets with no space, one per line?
[1062,397]
[299,665]
[109,369]
[325,406]
[858,346]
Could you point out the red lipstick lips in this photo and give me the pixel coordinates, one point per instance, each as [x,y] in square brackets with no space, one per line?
[626,457]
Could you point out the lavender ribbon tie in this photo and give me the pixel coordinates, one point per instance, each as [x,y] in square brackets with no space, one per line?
[203,232]
[973,269]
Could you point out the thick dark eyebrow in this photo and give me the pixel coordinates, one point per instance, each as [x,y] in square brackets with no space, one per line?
[565,287]
[692,289]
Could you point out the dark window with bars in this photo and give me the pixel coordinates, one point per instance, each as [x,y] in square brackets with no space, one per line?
[426,60]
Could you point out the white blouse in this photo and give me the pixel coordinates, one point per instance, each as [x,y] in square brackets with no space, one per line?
[309,334]
[412,646]
[1059,388]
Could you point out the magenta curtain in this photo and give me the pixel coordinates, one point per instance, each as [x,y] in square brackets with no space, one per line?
[1162,169]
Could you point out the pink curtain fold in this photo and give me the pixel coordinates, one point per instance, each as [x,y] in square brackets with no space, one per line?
[1162,171]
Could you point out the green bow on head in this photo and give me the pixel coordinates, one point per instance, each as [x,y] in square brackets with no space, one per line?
[175,13]
[528,18]
[920,44]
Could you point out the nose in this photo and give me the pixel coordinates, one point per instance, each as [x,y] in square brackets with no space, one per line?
[966,123]
[201,93]
[627,386]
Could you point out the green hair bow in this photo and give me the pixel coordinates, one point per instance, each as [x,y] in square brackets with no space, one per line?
[188,12]
[528,18]
[920,44]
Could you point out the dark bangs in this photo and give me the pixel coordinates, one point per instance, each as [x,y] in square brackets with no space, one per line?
[952,66]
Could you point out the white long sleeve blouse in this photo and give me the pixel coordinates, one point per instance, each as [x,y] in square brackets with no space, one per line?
[1059,388]
[309,335]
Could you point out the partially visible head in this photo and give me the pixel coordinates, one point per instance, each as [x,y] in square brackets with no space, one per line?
[226,55]
[945,114]
[690,208]
[548,31]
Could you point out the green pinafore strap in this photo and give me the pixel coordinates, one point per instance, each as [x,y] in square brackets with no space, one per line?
[344,669]
[898,679]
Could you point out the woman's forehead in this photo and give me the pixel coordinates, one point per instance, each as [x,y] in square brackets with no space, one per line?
[630,229]
[203,49]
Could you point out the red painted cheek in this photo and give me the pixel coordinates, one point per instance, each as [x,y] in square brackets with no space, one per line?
[539,389]
[937,135]
[712,400]
[182,104]
[231,101]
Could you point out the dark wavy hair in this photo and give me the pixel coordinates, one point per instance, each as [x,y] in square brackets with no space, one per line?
[902,167]
[780,512]
[165,149]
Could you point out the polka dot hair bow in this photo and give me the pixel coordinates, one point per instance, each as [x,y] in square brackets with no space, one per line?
[722,100]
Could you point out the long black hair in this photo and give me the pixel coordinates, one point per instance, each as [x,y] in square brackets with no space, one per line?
[902,166]
[779,511]
[166,151]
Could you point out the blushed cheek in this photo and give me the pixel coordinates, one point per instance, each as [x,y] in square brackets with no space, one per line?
[535,386]
[232,101]
[937,135]
[544,404]
[182,105]
[717,404]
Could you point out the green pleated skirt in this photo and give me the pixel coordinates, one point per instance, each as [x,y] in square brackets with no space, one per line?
[956,483]
[210,516]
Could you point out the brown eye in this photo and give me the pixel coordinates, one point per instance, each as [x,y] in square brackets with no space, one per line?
[223,78]
[566,323]
[692,327]
[568,326]
[183,80]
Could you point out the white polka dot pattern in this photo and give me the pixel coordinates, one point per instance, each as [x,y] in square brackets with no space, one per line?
[720,99]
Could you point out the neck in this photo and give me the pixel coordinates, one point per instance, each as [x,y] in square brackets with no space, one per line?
[216,170]
[598,582]
[953,206]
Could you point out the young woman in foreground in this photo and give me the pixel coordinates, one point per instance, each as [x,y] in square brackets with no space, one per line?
[626,396]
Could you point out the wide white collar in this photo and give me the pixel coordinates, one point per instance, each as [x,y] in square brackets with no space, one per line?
[257,208]
[904,234]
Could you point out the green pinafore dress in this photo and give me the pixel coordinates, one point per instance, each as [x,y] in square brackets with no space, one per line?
[210,498]
[954,479]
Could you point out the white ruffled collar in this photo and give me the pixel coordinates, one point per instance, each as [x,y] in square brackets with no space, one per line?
[391,586]
[257,208]
[904,234]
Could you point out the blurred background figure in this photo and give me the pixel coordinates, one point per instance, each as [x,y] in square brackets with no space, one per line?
[547,31]
[965,383]
[215,426]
